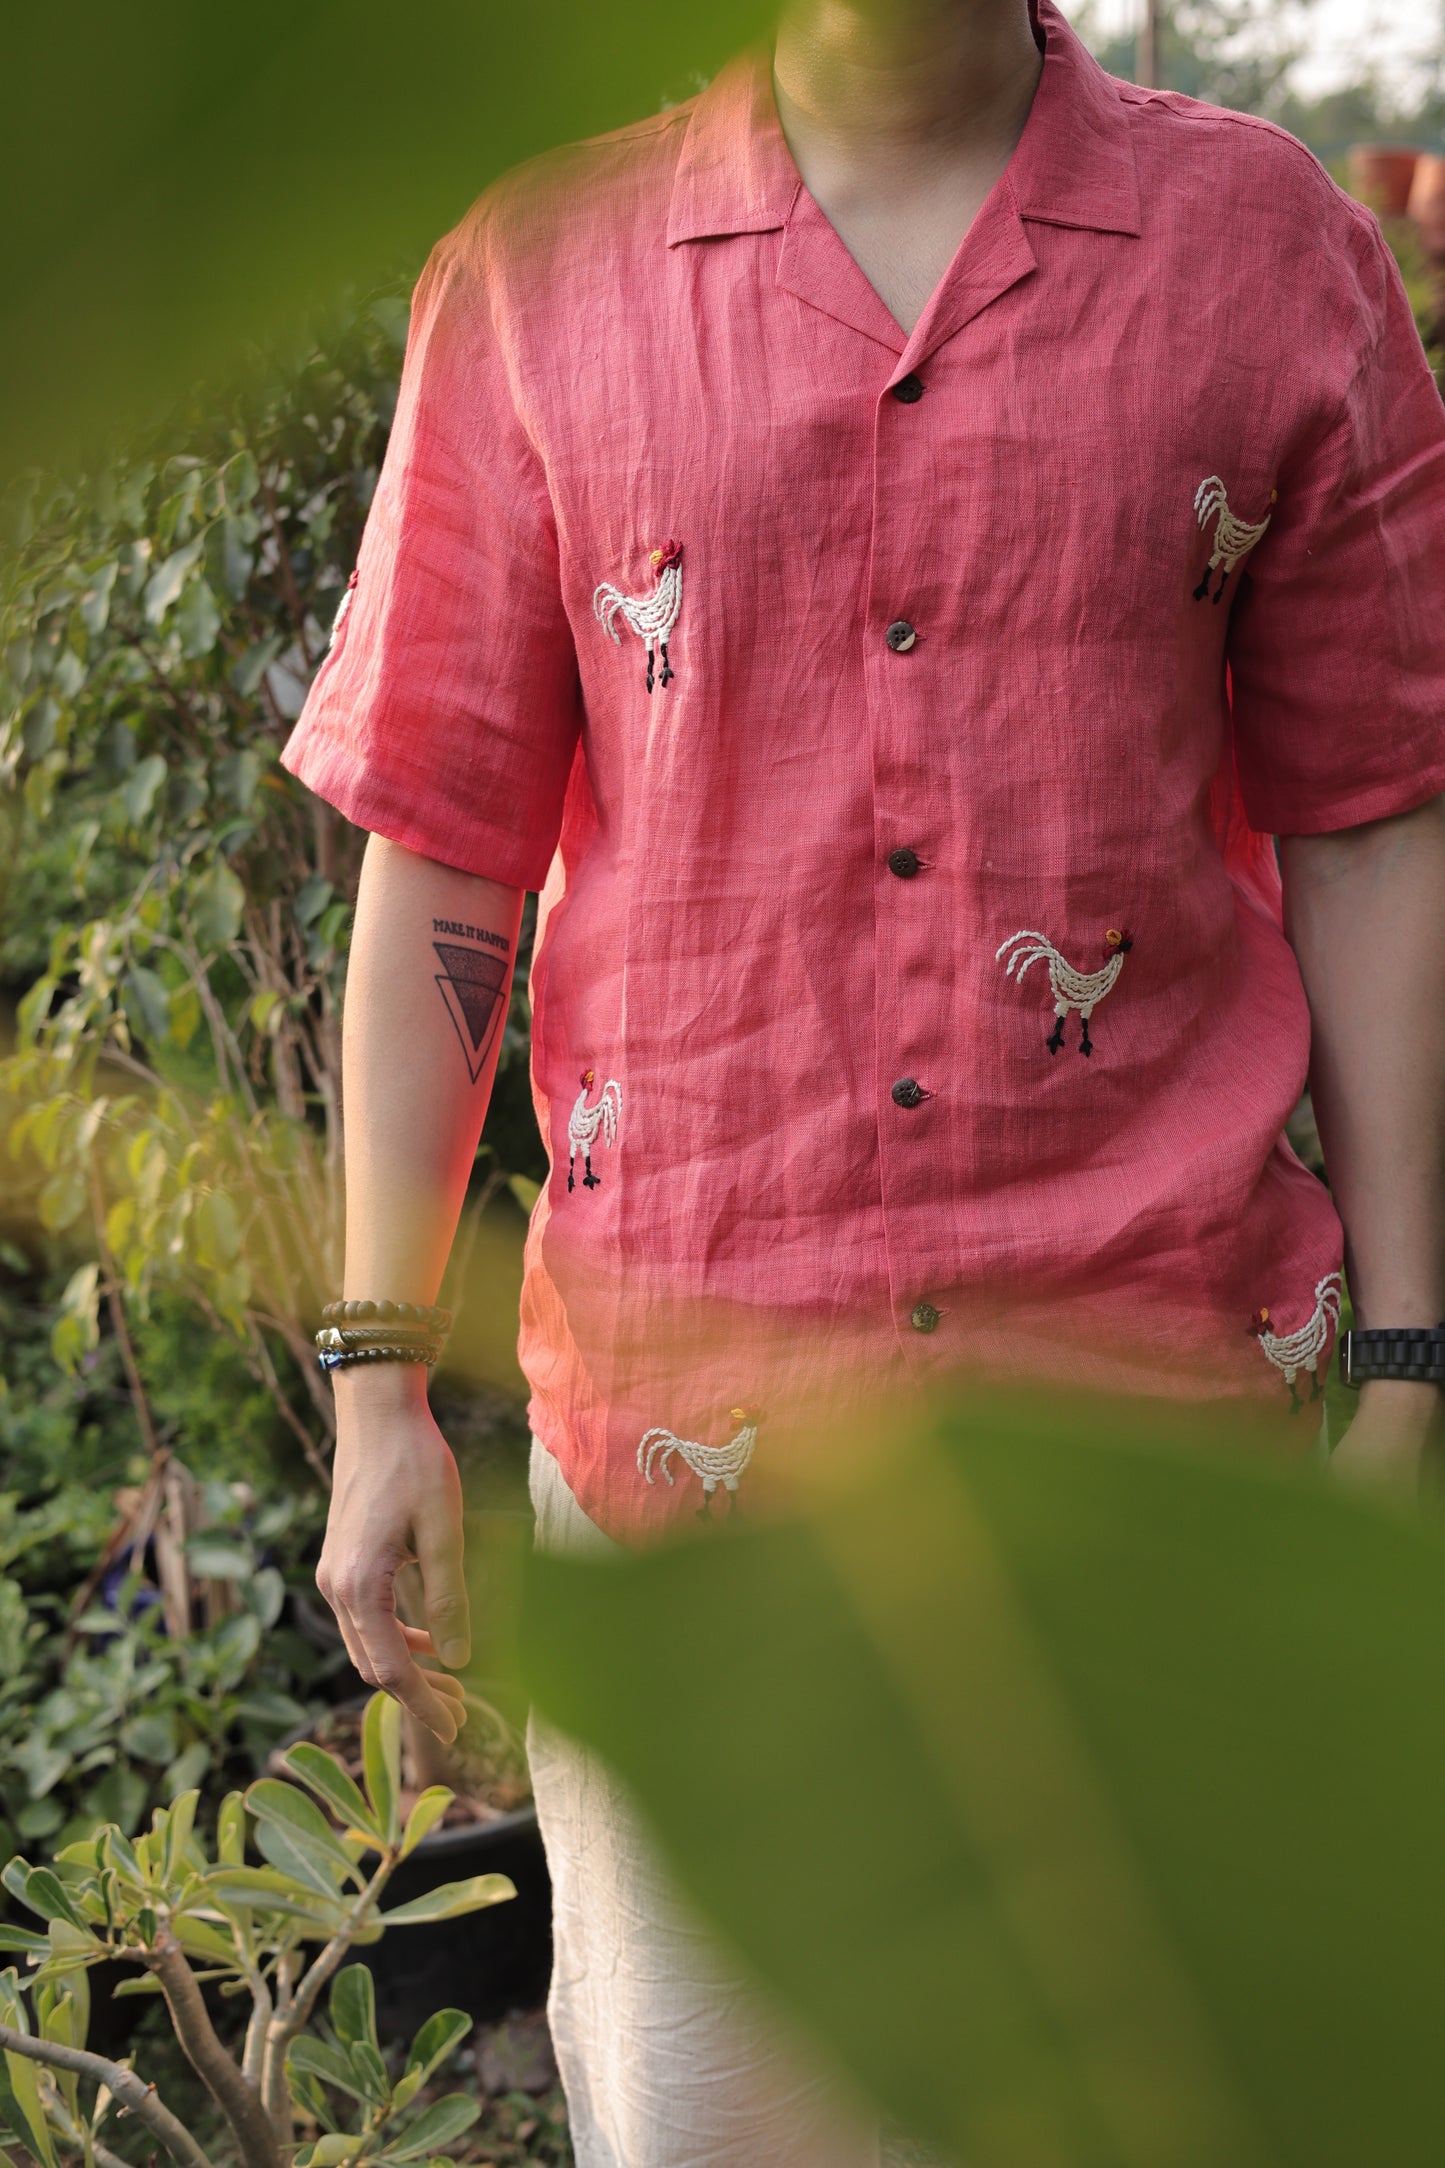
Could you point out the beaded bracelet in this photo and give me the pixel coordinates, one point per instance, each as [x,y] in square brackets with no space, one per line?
[430,1315]
[343,1358]
[338,1340]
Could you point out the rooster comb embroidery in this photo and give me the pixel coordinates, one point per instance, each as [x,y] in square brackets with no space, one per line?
[652,617]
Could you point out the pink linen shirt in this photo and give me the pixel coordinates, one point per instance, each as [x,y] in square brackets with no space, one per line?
[894,726]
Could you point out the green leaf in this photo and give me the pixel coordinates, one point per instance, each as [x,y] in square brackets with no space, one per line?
[45,1894]
[451,1899]
[381,1761]
[325,1776]
[352,2006]
[144,1983]
[164,585]
[329,2151]
[434,2042]
[62,1201]
[437,2125]
[22,1943]
[218,1238]
[189,1766]
[249,668]
[180,1821]
[148,1004]
[151,1736]
[231,1830]
[141,785]
[198,620]
[211,1558]
[217,902]
[370,2072]
[424,1816]
[524,1189]
[201,1939]
[318,2059]
[273,1802]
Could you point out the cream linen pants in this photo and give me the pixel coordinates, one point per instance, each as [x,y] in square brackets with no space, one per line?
[668,2059]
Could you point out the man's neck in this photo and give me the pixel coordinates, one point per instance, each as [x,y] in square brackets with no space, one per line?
[900,115]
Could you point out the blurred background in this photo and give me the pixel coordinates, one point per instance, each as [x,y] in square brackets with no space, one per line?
[212,229]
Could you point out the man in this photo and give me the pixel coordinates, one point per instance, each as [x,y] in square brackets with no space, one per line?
[882,547]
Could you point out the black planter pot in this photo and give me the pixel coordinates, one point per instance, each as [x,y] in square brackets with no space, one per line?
[485,1963]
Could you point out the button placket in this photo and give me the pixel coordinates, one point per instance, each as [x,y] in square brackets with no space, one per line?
[902,692]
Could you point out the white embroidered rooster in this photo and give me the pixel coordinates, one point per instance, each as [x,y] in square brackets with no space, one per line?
[1233,538]
[1081,990]
[714,1464]
[585,1124]
[651,617]
[1296,1351]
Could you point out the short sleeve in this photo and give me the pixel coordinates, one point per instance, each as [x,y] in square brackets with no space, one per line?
[446,714]
[1337,648]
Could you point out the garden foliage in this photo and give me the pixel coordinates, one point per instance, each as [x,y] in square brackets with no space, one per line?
[276,1936]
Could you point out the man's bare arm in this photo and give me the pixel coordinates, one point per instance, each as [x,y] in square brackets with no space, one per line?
[427,986]
[1365,910]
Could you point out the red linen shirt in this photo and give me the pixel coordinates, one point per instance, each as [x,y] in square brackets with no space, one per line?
[893,725]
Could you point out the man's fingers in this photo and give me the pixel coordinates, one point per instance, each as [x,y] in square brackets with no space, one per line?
[448,1617]
[394,1669]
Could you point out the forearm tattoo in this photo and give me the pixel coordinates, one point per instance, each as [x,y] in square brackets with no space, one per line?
[473,980]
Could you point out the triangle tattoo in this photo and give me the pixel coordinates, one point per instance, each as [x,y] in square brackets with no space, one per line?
[472,981]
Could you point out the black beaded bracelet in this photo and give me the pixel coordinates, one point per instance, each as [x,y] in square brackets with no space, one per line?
[344,1358]
[430,1315]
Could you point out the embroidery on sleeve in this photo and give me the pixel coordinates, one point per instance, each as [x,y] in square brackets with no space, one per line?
[585,1124]
[651,617]
[343,611]
[714,1464]
[1233,538]
[1296,1351]
[1081,990]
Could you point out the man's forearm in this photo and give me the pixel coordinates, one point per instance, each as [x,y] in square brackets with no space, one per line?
[427,986]
[1365,911]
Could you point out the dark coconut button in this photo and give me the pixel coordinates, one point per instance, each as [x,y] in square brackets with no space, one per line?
[923,1317]
[903,862]
[908,390]
[908,1092]
[900,636]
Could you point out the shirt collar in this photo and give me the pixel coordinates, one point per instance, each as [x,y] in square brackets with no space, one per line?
[1073,165]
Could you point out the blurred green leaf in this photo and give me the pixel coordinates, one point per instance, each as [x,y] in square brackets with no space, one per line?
[217,902]
[218,167]
[1085,1796]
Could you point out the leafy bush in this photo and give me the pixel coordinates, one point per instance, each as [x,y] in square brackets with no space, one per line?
[183,1918]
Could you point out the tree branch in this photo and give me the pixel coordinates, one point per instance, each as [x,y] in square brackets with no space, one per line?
[240,2105]
[140,2099]
[118,1321]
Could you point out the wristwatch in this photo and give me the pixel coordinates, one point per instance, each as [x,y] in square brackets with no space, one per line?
[1394,1351]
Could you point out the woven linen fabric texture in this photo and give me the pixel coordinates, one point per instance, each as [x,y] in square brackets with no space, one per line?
[863,1134]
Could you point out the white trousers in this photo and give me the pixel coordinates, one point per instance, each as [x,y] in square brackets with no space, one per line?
[669,2060]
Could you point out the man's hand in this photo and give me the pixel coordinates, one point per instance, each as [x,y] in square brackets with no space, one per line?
[396,1499]
[1387,1440]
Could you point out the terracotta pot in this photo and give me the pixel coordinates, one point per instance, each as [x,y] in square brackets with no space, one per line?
[1380,175]
[1427,203]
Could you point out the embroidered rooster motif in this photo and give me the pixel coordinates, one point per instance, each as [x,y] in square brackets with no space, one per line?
[585,1124]
[1296,1351]
[651,617]
[1233,538]
[714,1464]
[343,611]
[1081,990]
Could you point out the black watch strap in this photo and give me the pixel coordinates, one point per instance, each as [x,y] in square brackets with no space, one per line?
[1394,1351]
